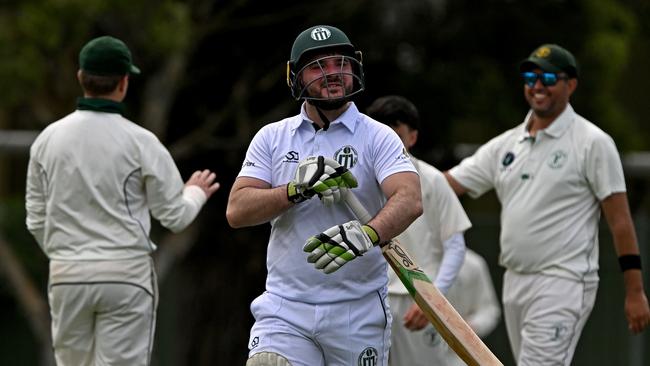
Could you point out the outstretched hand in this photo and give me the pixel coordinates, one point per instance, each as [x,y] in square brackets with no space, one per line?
[204,179]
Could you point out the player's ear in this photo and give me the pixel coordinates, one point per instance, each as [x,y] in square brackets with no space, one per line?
[123,85]
[572,84]
[413,137]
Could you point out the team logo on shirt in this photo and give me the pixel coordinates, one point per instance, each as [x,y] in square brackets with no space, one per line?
[347,156]
[508,159]
[368,357]
[560,331]
[404,155]
[291,157]
[557,159]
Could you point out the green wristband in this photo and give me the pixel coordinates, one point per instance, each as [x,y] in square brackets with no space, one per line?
[372,233]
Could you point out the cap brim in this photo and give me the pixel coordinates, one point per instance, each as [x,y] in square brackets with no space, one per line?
[134,70]
[529,64]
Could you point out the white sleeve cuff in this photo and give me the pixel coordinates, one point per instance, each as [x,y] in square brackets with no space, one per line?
[195,196]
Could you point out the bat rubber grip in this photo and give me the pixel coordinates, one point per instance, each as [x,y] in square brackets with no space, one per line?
[359,211]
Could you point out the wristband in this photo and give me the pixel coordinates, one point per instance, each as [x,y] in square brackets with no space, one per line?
[629,261]
[295,195]
[372,233]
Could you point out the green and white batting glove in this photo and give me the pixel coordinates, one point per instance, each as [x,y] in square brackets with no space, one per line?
[322,176]
[336,246]
[297,193]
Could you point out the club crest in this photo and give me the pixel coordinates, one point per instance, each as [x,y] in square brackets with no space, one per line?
[543,52]
[347,156]
[320,34]
[557,159]
[508,159]
[368,357]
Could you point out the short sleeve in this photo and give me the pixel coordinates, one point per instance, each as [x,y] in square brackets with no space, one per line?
[453,218]
[257,163]
[603,167]
[390,154]
[478,172]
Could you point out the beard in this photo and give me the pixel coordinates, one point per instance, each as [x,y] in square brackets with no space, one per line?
[329,104]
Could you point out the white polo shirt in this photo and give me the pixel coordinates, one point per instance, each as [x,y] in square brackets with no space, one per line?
[443,216]
[371,151]
[550,188]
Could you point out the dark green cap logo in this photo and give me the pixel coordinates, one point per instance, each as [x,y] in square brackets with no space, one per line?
[107,56]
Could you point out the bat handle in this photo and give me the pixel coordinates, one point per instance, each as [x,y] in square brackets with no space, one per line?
[359,211]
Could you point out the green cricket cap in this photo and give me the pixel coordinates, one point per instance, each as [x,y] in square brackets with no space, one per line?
[105,56]
[551,58]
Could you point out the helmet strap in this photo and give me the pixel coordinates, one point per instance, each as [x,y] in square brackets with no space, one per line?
[323,117]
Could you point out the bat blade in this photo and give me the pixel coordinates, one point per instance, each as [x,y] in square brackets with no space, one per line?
[449,324]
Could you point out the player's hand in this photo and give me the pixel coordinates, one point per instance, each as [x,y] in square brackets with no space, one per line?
[414,318]
[637,312]
[318,175]
[204,179]
[336,246]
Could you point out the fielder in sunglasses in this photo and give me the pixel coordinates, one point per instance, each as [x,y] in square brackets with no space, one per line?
[547,78]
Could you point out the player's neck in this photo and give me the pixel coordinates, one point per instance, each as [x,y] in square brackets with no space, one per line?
[331,115]
[536,123]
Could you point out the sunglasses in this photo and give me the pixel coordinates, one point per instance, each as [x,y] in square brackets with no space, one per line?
[547,78]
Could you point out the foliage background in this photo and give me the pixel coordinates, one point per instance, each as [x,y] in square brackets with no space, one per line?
[213,74]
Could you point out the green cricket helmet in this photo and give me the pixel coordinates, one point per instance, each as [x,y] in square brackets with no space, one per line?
[323,40]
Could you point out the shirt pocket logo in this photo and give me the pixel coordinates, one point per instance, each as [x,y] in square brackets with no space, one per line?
[557,159]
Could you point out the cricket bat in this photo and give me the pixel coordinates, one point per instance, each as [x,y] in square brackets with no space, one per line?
[449,324]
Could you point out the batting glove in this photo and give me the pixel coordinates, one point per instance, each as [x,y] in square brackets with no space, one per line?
[336,246]
[322,176]
[297,193]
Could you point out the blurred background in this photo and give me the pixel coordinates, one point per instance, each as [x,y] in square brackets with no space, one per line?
[213,73]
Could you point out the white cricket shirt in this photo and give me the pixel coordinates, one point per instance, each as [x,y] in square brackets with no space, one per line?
[443,215]
[550,188]
[92,179]
[371,151]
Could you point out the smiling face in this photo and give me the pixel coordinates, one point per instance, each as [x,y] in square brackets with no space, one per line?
[328,77]
[548,101]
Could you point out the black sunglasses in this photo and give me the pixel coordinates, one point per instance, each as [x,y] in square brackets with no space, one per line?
[547,78]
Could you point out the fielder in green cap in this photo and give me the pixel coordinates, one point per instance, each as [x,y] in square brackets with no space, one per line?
[554,174]
[107,56]
[551,58]
[94,178]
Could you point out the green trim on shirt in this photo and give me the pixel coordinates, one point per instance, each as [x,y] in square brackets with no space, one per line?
[100,105]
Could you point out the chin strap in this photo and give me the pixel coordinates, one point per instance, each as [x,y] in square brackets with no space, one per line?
[326,121]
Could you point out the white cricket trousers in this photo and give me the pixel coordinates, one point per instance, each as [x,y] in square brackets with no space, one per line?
[544,316]
[103,313]
[424,347]
[349,333]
